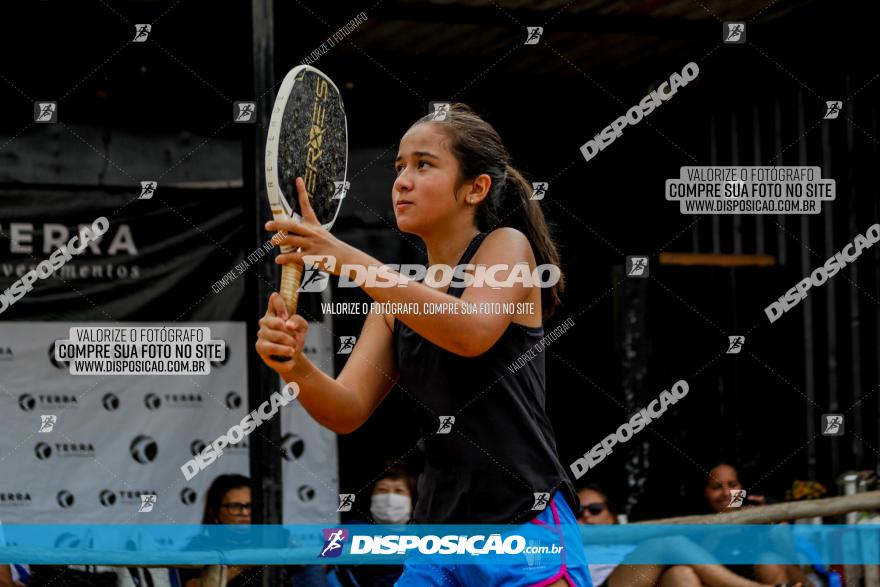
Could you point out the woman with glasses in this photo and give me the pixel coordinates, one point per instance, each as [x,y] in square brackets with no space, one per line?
[595,505]
[228,501]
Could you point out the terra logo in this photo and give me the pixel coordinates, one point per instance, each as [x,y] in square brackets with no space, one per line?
[143,449]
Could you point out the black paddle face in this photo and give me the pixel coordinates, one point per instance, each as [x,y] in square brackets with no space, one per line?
[312,144]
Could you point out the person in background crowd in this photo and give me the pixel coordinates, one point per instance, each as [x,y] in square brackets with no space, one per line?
[393,497]
[721,484]
[228,501]
[391,502]
[598,509]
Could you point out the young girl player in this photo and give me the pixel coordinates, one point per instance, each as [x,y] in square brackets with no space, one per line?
[456,190]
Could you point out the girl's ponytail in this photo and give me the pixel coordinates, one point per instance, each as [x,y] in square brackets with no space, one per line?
[526,215]
[479,149]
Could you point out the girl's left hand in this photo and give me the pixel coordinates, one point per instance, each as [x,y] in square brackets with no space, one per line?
[310,237]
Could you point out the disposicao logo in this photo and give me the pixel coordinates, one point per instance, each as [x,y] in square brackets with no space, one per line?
[334,538]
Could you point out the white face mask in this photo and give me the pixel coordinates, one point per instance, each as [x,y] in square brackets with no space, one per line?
[390,508]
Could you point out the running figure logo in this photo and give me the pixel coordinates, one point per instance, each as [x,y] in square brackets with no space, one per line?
[832,109]
[533,34]
[736,343]
[832,424]
[340,188]
[441,109]
[147,503]
[244,112]
[48,423]
[737,498]
[446,423]
[333,540]
[541,501]
[346,344]
[148,188]
[539,189]
[734,32]
[346,501]
[141,32]
[636,266]
[315,280]
[46,112]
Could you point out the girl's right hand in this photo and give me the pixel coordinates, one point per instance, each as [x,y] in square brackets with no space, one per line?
[281,336]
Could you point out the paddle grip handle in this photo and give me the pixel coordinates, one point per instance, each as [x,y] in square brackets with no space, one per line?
[291,277]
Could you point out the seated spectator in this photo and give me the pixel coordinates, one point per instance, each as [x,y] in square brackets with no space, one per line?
[598,509]
[391,502]
[721,483]
[228,501]
[393,496]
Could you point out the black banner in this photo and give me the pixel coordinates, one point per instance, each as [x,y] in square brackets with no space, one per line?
[157,260]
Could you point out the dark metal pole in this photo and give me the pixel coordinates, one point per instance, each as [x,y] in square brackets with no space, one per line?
[634,347]
[876,351]
[734,161]
[855,320]
[809,351]
[713,160]
[833,404]
[756,151]
[265,443]
[782,247]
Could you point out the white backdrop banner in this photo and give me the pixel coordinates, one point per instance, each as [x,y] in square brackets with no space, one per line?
[115,438]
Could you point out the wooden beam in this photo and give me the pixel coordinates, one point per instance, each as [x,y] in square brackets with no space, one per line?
[780,512]
[717,260]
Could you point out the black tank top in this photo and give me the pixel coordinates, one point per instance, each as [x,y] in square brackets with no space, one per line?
[486,466]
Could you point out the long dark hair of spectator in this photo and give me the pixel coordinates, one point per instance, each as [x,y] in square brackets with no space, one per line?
[216,493]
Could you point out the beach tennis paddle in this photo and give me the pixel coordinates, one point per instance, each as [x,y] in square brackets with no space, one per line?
[308,138]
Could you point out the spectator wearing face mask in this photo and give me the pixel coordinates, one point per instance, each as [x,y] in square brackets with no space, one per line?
[393,497]
[391,502]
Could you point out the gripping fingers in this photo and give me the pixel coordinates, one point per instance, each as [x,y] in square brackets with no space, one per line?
[268,350]
[277,336]
[277,307]
[272,323]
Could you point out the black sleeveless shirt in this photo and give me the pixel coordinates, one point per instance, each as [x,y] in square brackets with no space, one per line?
[485,466]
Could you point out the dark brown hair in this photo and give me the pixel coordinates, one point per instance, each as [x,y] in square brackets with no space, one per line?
[397,471]
[609,503]
[214,498]
[479,149]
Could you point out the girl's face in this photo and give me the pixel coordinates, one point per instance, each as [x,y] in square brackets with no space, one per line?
[424,195]
[722,479]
